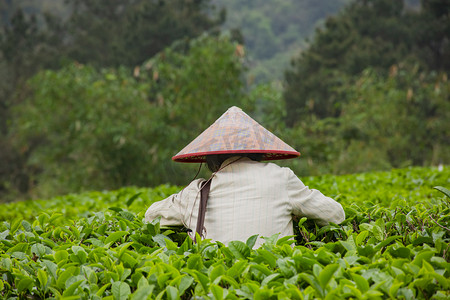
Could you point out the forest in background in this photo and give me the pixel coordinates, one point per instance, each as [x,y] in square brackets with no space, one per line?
[100,95]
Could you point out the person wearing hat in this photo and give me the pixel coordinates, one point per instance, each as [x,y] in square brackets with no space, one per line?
[243,196]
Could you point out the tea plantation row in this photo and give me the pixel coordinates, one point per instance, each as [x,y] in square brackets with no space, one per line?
[394,244]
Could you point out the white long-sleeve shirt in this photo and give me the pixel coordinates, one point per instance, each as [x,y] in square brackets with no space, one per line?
[247,198]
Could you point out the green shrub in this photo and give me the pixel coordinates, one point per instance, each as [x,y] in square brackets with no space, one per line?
[394,243]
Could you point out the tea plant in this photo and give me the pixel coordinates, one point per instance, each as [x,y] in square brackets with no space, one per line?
[394,244]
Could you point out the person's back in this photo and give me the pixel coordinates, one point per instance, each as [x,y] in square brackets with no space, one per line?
[248,198]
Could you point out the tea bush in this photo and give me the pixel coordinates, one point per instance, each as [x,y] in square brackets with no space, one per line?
[394,244]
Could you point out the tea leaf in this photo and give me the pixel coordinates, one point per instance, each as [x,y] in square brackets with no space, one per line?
[120,290]
[113,237]
[326,274]
[143,292]
[239,249]
[132,198]
[443,190]
[24,284]
[251,241]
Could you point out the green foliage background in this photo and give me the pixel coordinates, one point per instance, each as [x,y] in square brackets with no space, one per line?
[106,104]
[111,129]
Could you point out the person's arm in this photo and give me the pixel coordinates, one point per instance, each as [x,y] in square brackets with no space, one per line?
[173,208]
[168,209]
[310,203]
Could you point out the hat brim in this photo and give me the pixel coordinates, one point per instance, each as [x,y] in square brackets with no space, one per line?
[267,155]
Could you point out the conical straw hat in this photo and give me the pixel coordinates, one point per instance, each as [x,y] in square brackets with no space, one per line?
[235,132]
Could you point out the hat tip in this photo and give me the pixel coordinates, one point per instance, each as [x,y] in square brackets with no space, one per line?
[235,108]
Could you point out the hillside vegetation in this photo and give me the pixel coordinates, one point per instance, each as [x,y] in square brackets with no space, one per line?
[102,105]
[393,244]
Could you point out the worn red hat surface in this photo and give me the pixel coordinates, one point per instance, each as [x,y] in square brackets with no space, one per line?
[235,132]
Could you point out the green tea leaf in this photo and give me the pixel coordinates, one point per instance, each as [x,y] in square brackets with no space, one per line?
[172,293]
[402,252]
[127,215]
[160,239]
[387,242]
[424,255]
[5,263]
[361,237]
[113,237]
[42,277]
[393,290]
[129,260]
[326,274]
[185,282]
[54,217]
[27,226]
[286,267]
[268,257]
[64,276]
[102,289]
[361,282]
[4,234]
[217,291]
[15,225]
[251,241]
[69,291]
[132,198]
[378,232]
[143,292]
[227,279]
[38,249]
[313,282]
[216,272]
[24,284]
[443,190]
[203,279]
[116,209]
[286,240]
[153,227]
[120,290]
[20,247]
[270,278]
[239,249]
[194,262]
[237,268]
[61,255]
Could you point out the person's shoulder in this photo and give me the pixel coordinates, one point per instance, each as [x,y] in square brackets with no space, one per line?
[195,184]
[286,172]
[275,168]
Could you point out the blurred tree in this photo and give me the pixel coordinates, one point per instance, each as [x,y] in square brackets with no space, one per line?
[387,120]
[107,129]
[24,49]
[86,123]
[274,30]
[368,33]
[112,33]
[100,33]
[432,32]
[197,88]
[397,119]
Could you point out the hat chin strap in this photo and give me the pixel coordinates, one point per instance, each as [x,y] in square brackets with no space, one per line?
[204,192]
[198,172]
